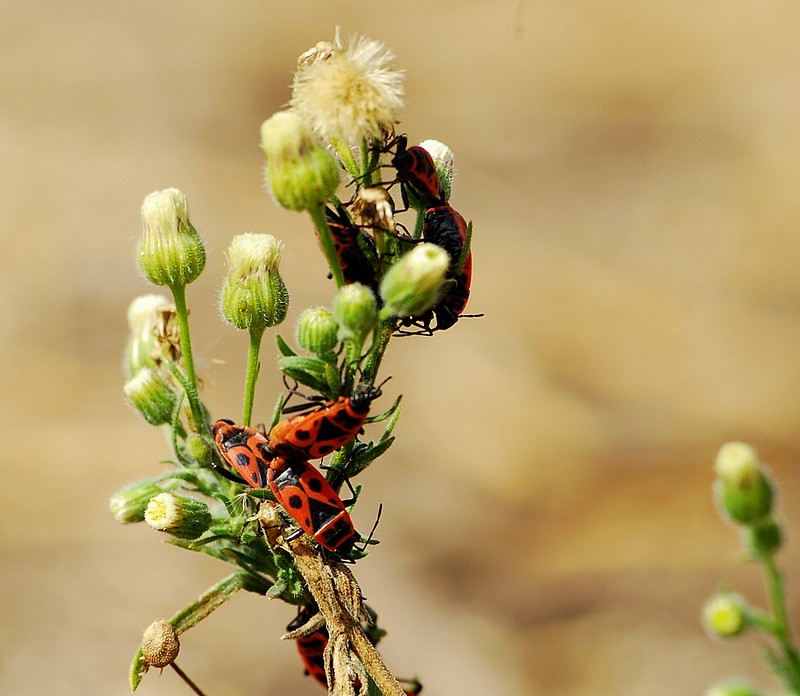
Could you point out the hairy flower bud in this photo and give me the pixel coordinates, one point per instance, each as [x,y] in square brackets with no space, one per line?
[355,310]
[185,518]
[414,284]
[317,331]
[152,395]
[160,644]
[743,489]
[443,158]
[725,615]
[128,504]
[254,295]
[300,172]
[143,316]
[170,251]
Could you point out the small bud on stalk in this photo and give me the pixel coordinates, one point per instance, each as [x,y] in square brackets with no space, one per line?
[743,490]
[254,295]
[414,284]
[300,172]
[317,331]
[356,311]
[144,314]
[128,504]
[170,251]
[160,644]
[185,518]
[150,393]
[725,615]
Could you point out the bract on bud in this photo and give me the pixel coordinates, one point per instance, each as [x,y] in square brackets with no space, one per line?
[254,295]
[743,489]
[160,644]
[185,518]
[170,251]
[300,172]
[414,284]
[128,504]
[725,615]
[152,395]
[443,157]
[143,316]
[317,331]
[355,310]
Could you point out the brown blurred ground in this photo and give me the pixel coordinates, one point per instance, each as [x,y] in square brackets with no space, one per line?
[632,173]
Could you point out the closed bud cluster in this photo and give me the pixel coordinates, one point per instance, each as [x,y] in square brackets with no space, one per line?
[300,172]
[128,504]
[743,489]
[160,644]
[144,314]
[170,252]
[356,311]
[725,615]
[414,284]
[254,295]
[185,518]
[150,393]
[317,331]
[443,157]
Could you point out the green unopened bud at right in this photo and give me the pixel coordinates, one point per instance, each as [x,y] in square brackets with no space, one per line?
[152,395]
[355,310]
[414,284]
[170,252]
[300,173]
[743,489]
[254,295]
[317,331]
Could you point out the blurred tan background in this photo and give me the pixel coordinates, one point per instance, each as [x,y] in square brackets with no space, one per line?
[631,169]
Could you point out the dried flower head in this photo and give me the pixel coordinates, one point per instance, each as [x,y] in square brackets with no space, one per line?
[160,644]
[350,93]
[373,208]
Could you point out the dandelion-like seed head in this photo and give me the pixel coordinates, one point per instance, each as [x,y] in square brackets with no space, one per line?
[351,93]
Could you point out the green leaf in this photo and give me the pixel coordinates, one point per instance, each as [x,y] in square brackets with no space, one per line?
[310,372]
[283,346]
[138,668]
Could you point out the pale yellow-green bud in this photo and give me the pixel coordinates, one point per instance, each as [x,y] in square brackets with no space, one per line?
[144,314]
[725,615]
[443,158]
[414,284]
[355,310]
[736,687]
[300,172]
[160,644]
[128,504]
[743,489]
[254,295]
[317,331]
[170,251]
[185,518]
[149,392]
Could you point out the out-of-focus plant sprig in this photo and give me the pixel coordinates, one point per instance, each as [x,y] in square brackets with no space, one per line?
[345,105]
[745,493]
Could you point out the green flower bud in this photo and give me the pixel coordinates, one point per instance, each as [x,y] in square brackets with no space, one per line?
[152,395]
[253,293]
[736,687]
[443,158]
[160,644]
[170,251]
[356,311]
[143,316]
[765,536]
[300,173]
[743,490]
[414,284]
[317,331]
[198,449]
[185,518]
[128,504]
[725,615]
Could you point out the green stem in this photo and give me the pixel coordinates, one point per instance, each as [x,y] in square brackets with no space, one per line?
[326,242]
[179,294]
[253,366]
[780,621]
[380,341]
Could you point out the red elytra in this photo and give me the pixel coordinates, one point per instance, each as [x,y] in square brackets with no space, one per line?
[297,486]
[318,433]
[416,169]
